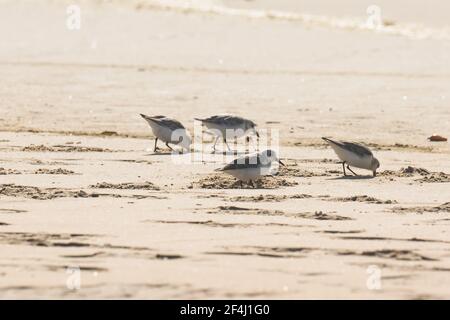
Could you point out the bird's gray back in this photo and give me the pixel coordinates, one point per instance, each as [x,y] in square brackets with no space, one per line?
[229,121]
[249,162]
[167,122]
[356,148]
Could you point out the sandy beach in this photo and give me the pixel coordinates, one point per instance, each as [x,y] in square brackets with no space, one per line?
[88,210]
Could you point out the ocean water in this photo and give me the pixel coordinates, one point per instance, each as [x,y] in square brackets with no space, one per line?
[404,18]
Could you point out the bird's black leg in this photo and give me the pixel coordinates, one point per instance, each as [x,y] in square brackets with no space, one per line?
[156,148]
[343,168]
[225,140]
[348,167]
[247,144]
[214,146]
[167,144]
[251,183]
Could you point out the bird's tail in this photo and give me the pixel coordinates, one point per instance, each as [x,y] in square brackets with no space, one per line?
[152,119]
[198,119]
[333,144]
[328,140]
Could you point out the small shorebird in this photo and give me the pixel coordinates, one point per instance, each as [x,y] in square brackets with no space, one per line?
[169,131]
[355,155]
[253,167]
[226,126]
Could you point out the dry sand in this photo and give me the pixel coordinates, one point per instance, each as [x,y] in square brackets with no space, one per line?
[81,188]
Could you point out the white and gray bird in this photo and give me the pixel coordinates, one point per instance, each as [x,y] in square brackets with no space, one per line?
[355,155]
[169,131]
[228,127]
[251,168]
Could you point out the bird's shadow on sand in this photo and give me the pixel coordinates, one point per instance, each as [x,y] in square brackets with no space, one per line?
[230,153]
[217,152]
[367,177]
[159,154]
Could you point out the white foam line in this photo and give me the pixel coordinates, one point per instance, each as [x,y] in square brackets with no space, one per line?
[412,31]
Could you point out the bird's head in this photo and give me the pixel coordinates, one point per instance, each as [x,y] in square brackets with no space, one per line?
[268,156]
[375,166]
[182,138]
[251,126]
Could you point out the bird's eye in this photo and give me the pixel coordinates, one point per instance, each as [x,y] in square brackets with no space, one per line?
[269,153]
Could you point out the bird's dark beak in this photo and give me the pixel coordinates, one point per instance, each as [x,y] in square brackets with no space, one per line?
[279,161]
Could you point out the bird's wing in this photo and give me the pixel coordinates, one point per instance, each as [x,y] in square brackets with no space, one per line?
[352,147]
[225,120]
[357,148]
[243,163]
[167,122]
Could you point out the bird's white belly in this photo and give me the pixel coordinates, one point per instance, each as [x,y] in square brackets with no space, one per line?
[163,133]
[353,159]
[245,174]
